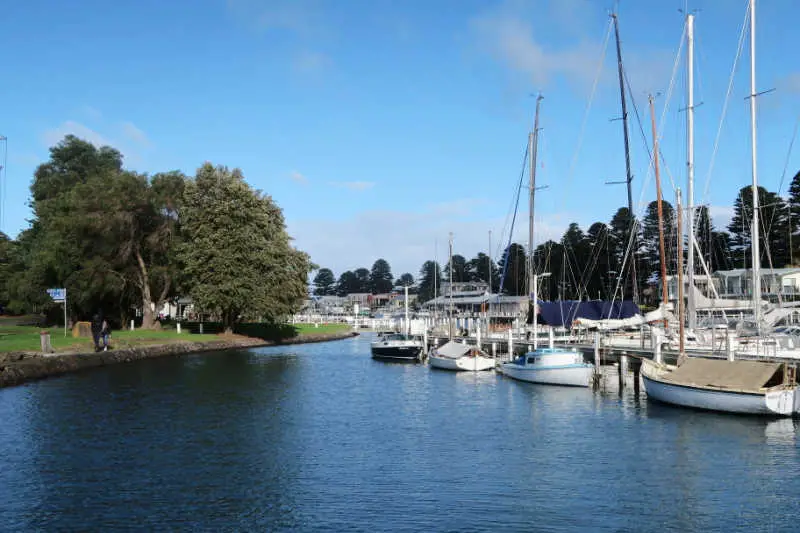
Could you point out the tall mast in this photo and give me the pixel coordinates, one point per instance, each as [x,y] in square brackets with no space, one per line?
[661,248]
[679,216]
[755,228]
[692,313]
[628,175]
[450,276]
[533,139]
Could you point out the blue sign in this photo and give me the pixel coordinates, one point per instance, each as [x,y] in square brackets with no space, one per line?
[58,295]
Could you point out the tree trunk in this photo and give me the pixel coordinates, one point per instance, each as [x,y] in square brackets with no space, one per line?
[148,314]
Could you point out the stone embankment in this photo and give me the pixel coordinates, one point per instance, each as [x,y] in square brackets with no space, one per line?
[18,367]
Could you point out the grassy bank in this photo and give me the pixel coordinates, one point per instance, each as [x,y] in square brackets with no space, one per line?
[16,338]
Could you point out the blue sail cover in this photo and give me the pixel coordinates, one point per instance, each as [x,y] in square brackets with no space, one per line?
[564,312]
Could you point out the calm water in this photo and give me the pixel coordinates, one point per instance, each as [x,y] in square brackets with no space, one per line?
[321,437]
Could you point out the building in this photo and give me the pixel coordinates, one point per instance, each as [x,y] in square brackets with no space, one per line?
[775,282]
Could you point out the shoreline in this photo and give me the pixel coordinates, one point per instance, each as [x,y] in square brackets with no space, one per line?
[21,367]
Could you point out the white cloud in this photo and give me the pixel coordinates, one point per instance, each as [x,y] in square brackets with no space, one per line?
[298,178]
[353,185]
[92,112]
[132,133]
[721,216]
[71,127]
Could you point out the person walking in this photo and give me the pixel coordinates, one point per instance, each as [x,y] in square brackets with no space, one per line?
[97,329]
[105,333]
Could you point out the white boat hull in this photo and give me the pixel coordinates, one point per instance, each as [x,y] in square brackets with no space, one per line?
[774,403]
[573,376]
[466,363]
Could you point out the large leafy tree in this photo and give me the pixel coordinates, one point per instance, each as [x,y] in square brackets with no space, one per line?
[794,217]
[6,245]
[625,242]
[430,281]
[603,267]
[380,277]
[324,282]
[238,258]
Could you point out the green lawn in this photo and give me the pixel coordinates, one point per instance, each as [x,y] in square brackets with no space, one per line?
[26,338]
[323,328]
[14,338]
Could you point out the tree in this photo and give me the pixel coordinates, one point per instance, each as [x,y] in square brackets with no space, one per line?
[238,257]
[459,270]
[348,283]
[650,238]
[5,268]
[430,281]
[405,280]
[794,217]
[481,268]
[380,277]
[576,257]
[603,265]
[625,242]
[773,228]
[324,282]
[513,271]
[362,278]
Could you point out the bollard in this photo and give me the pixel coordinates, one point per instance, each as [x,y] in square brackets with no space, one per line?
[132,328]
[597,355]
[623,370]
[178,327]
[510,345]
[44,338]
[201,328]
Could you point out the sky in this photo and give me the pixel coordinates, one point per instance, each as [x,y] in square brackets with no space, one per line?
[380,126]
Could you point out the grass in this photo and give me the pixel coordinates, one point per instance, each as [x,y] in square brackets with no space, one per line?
[15,338]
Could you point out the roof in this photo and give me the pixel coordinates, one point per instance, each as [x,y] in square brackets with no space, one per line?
[741,376]
[765,272]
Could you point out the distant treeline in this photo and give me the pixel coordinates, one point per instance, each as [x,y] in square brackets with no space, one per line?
[597,263]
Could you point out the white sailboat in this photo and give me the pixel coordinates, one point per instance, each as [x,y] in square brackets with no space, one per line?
[734,386]
[457,356]
[551,366]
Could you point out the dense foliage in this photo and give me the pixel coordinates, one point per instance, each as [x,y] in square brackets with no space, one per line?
[120,241]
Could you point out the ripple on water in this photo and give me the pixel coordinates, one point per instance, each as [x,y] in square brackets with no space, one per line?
[322,437]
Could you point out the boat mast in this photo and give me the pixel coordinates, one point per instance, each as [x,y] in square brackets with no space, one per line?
[450,275]
[628,175]
[679,217]
[661,247]
[533,140]
[755,228]
[692,312]
[405,302]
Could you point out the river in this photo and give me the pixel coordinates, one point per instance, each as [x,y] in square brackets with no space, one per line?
[320,437]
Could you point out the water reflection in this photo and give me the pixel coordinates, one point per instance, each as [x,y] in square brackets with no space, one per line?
[323,437]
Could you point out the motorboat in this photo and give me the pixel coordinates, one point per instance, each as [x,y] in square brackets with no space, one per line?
[551,366]
[458,356]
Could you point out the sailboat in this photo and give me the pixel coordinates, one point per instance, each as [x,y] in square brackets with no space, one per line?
[734,386]
[552,366]
[456,355]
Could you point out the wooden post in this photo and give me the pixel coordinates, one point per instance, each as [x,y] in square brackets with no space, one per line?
[623,370]
[510,344]
[596,359]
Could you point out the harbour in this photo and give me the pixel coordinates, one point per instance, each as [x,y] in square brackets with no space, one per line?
[321,437]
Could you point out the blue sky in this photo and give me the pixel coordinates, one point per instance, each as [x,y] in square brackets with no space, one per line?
[380,126]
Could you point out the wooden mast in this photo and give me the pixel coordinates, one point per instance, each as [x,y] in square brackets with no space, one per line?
[661,249]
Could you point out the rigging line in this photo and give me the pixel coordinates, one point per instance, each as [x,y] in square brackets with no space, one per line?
[783,177]
[725,103]
[514,202]
[513,220]
[574,161]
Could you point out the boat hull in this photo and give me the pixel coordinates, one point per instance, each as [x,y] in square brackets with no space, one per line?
[397,353]
[578,375]
[769,403]
[467,363]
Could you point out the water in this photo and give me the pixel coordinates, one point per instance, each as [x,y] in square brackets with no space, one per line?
[322,438]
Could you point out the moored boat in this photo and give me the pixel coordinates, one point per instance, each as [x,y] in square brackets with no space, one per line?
[551,366]
[458,356]
[397,347]
[744,387]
